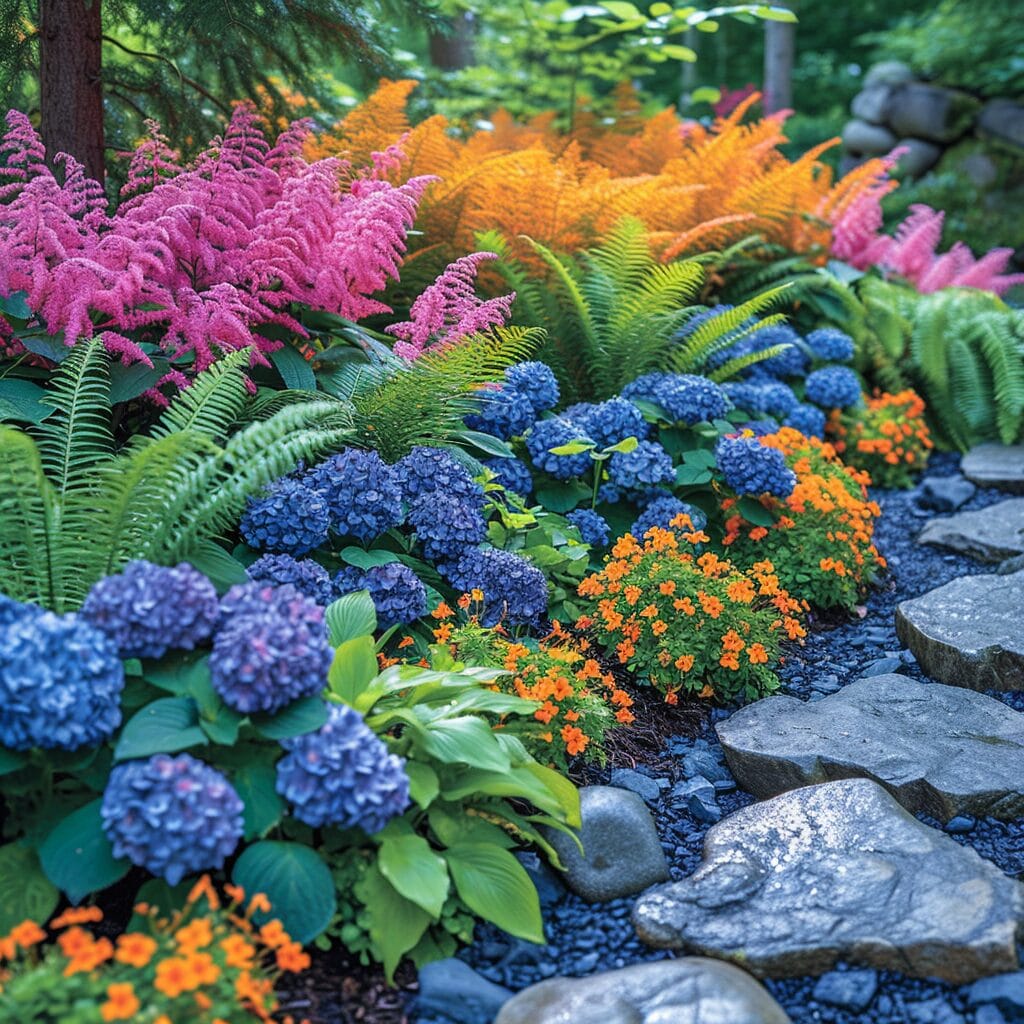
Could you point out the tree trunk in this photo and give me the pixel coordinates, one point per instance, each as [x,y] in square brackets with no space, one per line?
[779,45]
[453,49]
[70,83]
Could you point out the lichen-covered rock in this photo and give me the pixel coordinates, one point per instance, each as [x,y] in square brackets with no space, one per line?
[930,112]
[870,139]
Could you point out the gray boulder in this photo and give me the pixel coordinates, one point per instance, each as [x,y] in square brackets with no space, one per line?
[943,750]
[868,139]
[995,465]
[622,855]
[456,990]
[852,990]
[968,632]
[919,158]
[888,72]
[1003,120]
[930,112]
[981,170]
[837,872]
[872,103]
[1011,565]
[691,990]
[946,493]
[990,534]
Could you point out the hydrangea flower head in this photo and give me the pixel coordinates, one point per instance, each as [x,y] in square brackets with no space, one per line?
[833,387]
[148,609]
[594,529]
[642,469]
[515,590]
[830,345]
[271,648]
[445,527]
[512,474]
[171,815]
[304,574]
[553,433]
[398,593]
[426,470]
[343,775]
[363,496]
[790,363]
[750,467]
[808,419]
[661,511]
[503,412]
[60,682]
[537,382]
[685,397]
[609,422]
[762,396]
[290,518]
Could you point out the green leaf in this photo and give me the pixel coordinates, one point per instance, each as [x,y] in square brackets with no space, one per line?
[295,880]
[163,727]
[353,669]
[486,443]
[691,476]
[396,923]
[496,886]
[178,675]
[256,785]
[572,448]
[128,382]
[772,13]
[705,94]
[223,727]
[26,894]
[659,10]
[220,567]
[368,559]
[626,445]
[754,512]
[675,52]
[301,716]
[416,872]
[15,306]
[622,11]
[20,400]
[466,740]
[49,346]
[164,897]
[296,373]
[77,856]
[351,616]
[11,760]
[562,498]
[423,783]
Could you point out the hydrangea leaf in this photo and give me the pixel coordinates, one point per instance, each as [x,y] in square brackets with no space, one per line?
[754,512]
[486,443]
[163,727]
[255,784]
[77,856]
[367,559]
[416,872]
[219,566]
[300,717]
[26,894]
[351,616]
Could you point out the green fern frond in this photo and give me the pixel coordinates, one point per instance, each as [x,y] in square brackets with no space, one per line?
[213,403]
[738,364]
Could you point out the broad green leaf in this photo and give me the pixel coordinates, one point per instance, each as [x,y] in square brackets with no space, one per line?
[467,740]
[351,616]
[301,716]
[691,476]
[26,894]
[754,512]
[77,856]
[675,52]
[486,443]
[423,783]
[452,824]
[354,668]
[220,567]
[491,882]
[15,306]
[296,373]
[11,760]
[21,400]
[622,11]
[626,445]
[416,872]
[519,782]
[659,10]
[572,448]
[772,13]
[223,727]
[562,498]
[367,559]
[49,346]
[128,382]
[295,880]
[256,784]
[705,94]
[396,923]
[178,675]
[163,727]
[565,792]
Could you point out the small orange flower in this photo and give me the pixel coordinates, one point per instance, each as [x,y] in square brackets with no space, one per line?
[121,1003]
[77,915]
[291,957]
[205,970]
[135,949]
[196,935]
[575,739]
[406,641]
[442,611]
[27,934]
[668,587]
[624,716]
[757,654]
[273,935]
[174,976]
[658,627]
[684,662]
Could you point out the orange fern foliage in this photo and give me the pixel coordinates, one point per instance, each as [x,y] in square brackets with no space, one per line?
[695,188]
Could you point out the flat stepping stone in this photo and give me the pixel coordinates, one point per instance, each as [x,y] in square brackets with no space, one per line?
[942,750]
[990,534]
[692,990]
[833,872]
[995,465]
[969,632]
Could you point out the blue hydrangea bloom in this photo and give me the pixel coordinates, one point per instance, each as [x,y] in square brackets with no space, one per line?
[610,422]
[537,382]
[547,434]
[765,396]
[60,682]
[512,474]
[643,468]
[343,775]
[171,815]
[750,467]
[347,580]
[833,387]
[808,419]
[790,363]
[271,648]
[305,575]
[426,470]
[12,611]
[149,609]
[761,428]
[594,529]
[398,594]
[661,511]
[609,494]
[504,412]
[290,517]
[830,345]
[445,526]
[685,397]
[515,590]
[363,497]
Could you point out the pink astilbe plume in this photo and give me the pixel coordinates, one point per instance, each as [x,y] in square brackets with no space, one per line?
[449,310]
[198,257]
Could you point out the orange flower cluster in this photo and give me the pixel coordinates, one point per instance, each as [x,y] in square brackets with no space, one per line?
[687,619]
[888,438]
[209,967]
[821,539]
[695,188]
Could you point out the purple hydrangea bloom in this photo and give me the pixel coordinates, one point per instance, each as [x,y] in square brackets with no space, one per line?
[427,470]
[398,594]
[641,469]
[347,580]
[343,775]
[147,609]
[610,422]
[171,815]
[750,467]
[547,434]
[290,517]
[512,474]
[271,648]
[833,387]
[363,496]
[685,397]
[661,511]
[445,526]
[515,590]
[594,529]
[764,396]
[504,412]
[808,419]
[60,682]
[537,382]
[830,345]
[305,575]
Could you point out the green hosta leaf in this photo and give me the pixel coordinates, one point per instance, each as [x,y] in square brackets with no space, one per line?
[20,400]
[220,567]
[396,923]
[415,871]
[562,498]
[163,727]
[223,727]
[179,676]
[754,512]
[423,783]
[296,373]
[49,346]
[467,740]
[77,856]
[354,668]
[301,716]
[128,382]
[26,894]
[295,880]
[486,443]
[700,457]
[256,784]
[368,559]
[351,616]
[566,795]
[495,885]
[451,824]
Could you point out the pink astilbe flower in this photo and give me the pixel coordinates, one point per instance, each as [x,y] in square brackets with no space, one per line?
[449,310]
[198,257]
